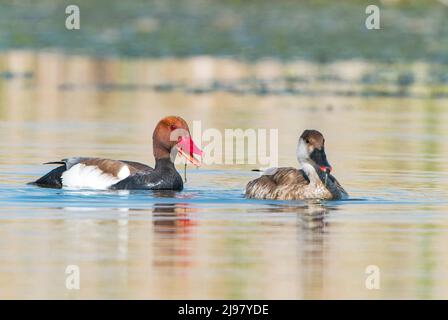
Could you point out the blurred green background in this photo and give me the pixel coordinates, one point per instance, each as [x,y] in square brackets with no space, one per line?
[243,29]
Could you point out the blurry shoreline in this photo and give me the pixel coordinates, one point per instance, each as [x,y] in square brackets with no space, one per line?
[206,74]
[317,31]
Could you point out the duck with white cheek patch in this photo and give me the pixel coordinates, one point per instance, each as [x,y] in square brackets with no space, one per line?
[171,137]
[313,181]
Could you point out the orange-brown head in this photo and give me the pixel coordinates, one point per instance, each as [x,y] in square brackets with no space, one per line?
[311,149]
[172,136]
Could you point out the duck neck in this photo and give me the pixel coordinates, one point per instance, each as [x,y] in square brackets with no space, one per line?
[311,172]
[317,176]
[159,151]
[163,164]
[162,154]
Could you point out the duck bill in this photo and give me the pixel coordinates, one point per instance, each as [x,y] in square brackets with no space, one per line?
[187,148]
[320,158]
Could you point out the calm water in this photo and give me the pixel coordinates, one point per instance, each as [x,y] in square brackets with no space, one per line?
[389,151]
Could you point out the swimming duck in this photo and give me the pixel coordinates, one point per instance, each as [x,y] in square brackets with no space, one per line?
[171,137]
[313,181]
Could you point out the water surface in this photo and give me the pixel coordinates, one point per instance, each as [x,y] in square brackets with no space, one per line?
[388,150]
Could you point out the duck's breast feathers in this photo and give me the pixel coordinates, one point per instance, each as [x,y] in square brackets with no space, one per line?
[97,173]
[338,191]
[276,183]
[163,177]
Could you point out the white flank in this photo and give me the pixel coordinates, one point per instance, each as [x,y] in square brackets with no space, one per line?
[124,173]
[90,177]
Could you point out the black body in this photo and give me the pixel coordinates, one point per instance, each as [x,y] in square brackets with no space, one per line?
[163,177]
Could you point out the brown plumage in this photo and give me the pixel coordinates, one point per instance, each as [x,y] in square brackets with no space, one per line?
[112,167]
[313,181]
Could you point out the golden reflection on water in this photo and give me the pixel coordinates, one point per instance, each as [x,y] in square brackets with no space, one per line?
[383,150]
[55,123]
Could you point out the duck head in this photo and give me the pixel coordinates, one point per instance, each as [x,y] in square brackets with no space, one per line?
[311,151]
[171,137]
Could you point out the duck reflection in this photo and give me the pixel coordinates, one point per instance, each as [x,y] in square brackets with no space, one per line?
[173,233]
[172,218]
[312,245]
[312,216]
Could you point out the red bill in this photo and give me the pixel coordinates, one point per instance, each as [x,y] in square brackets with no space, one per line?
[187,148]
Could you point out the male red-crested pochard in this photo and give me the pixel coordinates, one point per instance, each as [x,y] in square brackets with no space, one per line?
[171,136]
[313,181]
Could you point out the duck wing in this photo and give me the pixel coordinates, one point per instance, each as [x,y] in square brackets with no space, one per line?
[138,166]
[91,173]
[277,183]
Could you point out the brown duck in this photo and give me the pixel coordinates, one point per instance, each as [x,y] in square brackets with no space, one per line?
[313,181]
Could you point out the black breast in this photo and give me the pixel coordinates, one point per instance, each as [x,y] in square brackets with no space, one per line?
[163,177]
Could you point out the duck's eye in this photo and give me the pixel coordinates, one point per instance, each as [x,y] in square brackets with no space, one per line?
[173,127]
[307,141]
